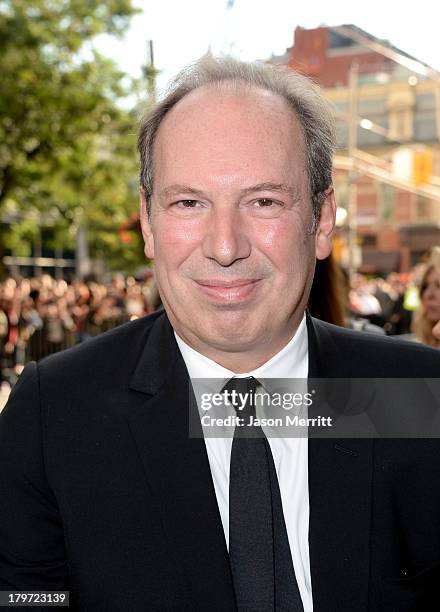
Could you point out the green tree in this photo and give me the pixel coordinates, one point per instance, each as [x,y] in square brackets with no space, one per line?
[67,145]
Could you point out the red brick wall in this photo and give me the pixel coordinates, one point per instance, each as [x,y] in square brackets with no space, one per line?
[388,239]
[402,209]
[309,56]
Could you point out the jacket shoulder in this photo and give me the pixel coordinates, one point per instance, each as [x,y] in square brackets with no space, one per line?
[111,354]
[366,354]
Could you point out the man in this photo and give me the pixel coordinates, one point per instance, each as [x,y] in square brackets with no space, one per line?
[104,493]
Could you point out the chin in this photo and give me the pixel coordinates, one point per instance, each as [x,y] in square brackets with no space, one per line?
[433,317]
[235,323]
[233,336]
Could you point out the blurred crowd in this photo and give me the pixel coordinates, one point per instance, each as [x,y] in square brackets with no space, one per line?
[40,316]
[387,303]
[407,305]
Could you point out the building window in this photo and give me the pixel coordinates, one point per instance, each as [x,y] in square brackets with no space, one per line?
[422,208]
[401,114]
[387,195]
[369,240]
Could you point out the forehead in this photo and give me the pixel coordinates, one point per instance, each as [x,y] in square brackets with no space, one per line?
[249,96]
[230,127]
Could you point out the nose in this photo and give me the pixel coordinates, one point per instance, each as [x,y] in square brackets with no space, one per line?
[227,237]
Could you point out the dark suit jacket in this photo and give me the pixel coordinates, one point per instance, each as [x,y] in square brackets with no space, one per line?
[102,491]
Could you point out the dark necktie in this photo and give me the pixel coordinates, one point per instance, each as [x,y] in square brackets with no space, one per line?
[259,551]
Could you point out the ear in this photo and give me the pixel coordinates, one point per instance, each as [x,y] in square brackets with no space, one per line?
[326,224]
[146,226]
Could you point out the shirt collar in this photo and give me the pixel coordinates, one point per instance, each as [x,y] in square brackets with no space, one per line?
[290,362]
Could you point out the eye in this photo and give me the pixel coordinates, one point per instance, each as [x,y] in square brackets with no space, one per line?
[266,208]
[265,203]
[186,203]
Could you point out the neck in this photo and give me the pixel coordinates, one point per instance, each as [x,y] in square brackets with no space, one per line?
[244,359]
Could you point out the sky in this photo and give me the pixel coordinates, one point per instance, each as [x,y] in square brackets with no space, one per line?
[183,30]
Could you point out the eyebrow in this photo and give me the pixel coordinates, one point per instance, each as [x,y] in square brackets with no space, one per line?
[293,192]
[175,189]
[276,187]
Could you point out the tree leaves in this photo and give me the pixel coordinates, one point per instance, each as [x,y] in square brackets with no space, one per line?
[67,146]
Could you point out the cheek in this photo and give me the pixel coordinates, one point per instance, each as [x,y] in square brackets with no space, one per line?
[175,241]
[286,242]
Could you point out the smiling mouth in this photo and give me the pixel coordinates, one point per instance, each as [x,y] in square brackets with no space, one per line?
[228,291]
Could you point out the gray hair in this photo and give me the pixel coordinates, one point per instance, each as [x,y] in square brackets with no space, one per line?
[302,96]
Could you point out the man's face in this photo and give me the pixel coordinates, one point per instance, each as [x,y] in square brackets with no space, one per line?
[230,224]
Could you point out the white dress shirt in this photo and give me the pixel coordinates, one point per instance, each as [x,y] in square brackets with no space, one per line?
[290,454]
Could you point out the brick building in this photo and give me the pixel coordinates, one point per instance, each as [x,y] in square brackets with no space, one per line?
[395,163]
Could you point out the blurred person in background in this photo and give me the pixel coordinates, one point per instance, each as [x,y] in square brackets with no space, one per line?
[398,321]
[362,301]
[11,307]
[436,331]
[329,298]
[4,325]
[426,325]
[329,294]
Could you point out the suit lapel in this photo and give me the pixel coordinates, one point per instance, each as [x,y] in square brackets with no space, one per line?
[177,470]
[340,481]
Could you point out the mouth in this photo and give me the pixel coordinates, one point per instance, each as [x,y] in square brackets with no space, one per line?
[228,291]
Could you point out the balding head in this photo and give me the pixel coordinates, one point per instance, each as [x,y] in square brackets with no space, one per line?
[296,91]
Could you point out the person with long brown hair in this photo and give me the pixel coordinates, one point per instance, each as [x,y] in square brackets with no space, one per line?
[329,293]
[426,324]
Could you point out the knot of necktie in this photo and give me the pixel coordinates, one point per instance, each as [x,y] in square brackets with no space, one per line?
[241,394]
